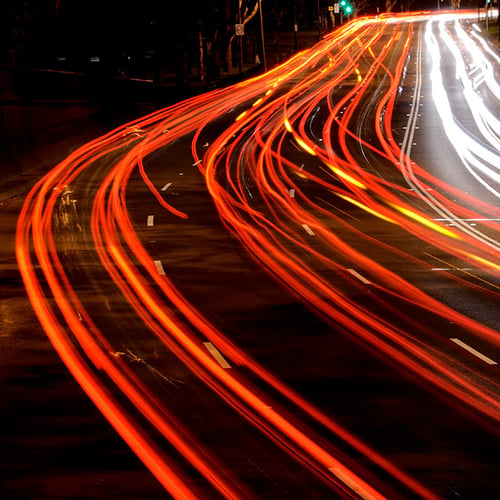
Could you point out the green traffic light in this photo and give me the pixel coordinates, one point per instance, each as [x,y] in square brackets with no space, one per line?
[348,9]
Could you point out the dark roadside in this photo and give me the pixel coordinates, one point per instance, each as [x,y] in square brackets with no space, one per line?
[491,30]
[49,114]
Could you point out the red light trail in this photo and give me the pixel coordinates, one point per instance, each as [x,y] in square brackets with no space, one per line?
[289,150]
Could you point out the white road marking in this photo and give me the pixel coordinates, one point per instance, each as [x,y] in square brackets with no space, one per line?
[151,220]
[159,267]
[308,230]
[292,193]
[473,351]
[166,186]
[452,269]
[360,278]
[468,220]
[196,163]
[217,355]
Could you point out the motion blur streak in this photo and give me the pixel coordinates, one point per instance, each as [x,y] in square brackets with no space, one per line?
[291,156]
[123,423]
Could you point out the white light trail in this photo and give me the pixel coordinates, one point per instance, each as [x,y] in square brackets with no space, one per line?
[479,152]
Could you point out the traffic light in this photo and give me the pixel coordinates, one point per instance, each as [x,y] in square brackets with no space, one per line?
[346,7]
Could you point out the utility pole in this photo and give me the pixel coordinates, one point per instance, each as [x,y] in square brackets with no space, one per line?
[240,39]
[295,27]
[319,22]
[262,37]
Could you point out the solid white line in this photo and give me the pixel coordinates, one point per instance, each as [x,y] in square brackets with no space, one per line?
[473,351]
[159,267]
[360,278]
[216,354]
[467,220]
[166,186]
[309,231]
[151,220]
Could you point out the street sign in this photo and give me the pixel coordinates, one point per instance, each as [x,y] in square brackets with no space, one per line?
[239,29]
[336,8]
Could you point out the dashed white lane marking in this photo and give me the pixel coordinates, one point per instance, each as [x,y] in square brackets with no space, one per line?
[217,355]
[159,267]
[166,186]
[292,193]
[308,230]
[452,269]
[196,163]
[151,220]
[473,351]
[360,278]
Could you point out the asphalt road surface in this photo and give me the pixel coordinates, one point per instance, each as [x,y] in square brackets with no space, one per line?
[283,289]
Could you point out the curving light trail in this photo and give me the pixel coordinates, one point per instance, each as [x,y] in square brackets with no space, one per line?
[292,154]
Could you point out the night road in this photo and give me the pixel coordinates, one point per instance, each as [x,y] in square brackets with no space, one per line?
[287,288]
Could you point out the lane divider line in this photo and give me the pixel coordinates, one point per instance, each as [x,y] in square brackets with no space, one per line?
[453,269]
[159,267]
[308,230]
[217,355]
[473,351]
[360,277]
[466,220]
